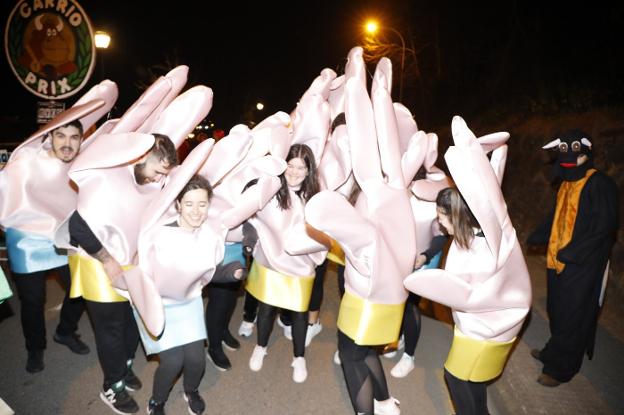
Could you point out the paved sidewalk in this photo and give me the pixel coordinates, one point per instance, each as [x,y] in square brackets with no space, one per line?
[70,384]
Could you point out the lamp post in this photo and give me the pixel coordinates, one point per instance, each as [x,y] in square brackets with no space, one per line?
[372,27]
[102,41]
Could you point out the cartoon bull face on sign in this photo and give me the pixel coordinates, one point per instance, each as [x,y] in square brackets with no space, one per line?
[49,47]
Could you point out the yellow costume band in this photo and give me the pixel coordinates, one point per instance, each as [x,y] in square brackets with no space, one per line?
[335,254]
[280,290]
[368,323]
[89,280]
[476,360]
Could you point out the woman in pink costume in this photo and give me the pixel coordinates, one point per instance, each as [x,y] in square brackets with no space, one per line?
[485,280]
[377,235]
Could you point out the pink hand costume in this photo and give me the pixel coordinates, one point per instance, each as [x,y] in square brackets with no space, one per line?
[35,192]
[178,263]
[286,256]
[110,200]
[425,191]
[377,234]
[488,285]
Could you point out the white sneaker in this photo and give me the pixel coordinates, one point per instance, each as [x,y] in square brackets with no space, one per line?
[257,358]
[300,372]
[313,330]
[337,358]
[403,367]
[246,329]
[393,352]
[388,407]
[287,329]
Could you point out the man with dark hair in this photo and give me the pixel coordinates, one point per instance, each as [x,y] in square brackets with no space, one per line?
[35,196]
[117,178]
[579,233]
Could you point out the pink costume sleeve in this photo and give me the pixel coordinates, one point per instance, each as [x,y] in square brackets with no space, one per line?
[488,286]
[242,156]
[377,235]
[424,194]
[335,165]
[35,192]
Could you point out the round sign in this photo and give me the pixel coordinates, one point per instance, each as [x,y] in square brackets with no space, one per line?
[49,46]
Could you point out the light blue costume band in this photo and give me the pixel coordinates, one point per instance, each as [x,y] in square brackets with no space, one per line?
[29,252]
[234,252]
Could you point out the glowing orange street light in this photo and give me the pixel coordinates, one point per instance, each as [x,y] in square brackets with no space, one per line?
[371,26]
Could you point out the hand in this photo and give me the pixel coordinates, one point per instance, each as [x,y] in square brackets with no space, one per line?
[112,268]
[420,261]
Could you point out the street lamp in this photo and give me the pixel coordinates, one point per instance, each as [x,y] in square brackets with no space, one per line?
[102,41]
[259,106]
[372,27]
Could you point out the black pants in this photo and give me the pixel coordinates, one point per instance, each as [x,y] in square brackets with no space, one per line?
[188,359]
[221,304]
[266,318]
[363,374]
[31,289]
[411,323]
[116,337]
[469,398]
[250,311]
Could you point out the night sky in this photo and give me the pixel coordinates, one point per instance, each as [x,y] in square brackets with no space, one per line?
[471,56]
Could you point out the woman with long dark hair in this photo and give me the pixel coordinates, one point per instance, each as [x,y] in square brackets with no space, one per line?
[282,273]
[485,280]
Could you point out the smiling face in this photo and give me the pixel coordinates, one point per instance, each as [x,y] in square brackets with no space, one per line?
[66,143]
[296,172]
[193,208]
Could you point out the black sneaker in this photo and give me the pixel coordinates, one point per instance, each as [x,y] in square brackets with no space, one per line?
[229,341]
[154,408]
[195,402]
[219,359]
[119,400]
[73,342]
[34,363]
[133,383]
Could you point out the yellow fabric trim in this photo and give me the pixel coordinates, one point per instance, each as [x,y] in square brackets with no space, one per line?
[336,254]
[280,290]
[89,280]
[368,323]
[565,217]
[476,360]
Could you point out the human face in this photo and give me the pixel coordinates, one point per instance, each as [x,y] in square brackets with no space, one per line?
[193,208]
[445,221]
[152,170]
[296,172]
[66,143]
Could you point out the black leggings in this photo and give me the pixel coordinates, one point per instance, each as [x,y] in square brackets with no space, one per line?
[266,318]
[363,373]
[221,304]
[188,358]
[411,323]
[469,398]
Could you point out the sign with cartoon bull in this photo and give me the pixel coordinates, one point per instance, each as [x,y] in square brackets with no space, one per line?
[49,46]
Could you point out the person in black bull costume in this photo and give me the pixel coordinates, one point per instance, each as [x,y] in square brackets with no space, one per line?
[580,233]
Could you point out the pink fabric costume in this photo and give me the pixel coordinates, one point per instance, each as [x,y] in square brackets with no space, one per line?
[178,263]
[425,192]
[35,192]
[286,256]
[487,286]
[110,200]
[377,234]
